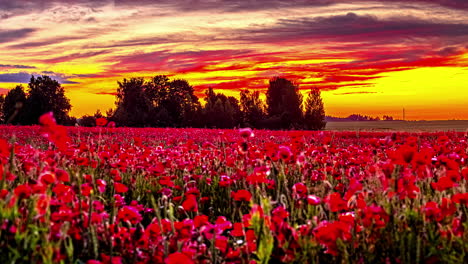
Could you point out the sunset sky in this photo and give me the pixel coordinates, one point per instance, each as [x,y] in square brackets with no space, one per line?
[368,57]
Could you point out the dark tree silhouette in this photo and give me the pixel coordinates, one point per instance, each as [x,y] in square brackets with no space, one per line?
[253,108]
[314,115]
[284,103]
[173,102]
[46,95]
[132,105]
[90,120]
[157,102]
[2,101]
[221,111]
[13,106]
[387,118]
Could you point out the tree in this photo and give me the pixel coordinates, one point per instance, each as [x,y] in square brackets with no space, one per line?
[173,100]
[132,105]
[284,102]
[90,121]
[221,111]
[87,121]
[387,118]
[2,101]
[157,102]
[13,105]
[252,107]
[314,116]
[46,95]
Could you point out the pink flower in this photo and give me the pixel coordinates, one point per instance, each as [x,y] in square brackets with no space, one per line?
[246,132]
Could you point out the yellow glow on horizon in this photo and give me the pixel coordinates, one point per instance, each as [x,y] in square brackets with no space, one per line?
[87,103]
[425,93]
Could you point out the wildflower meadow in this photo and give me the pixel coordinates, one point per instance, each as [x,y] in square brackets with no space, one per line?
[154,195]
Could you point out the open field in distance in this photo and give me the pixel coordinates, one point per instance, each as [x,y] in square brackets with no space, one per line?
[415,126]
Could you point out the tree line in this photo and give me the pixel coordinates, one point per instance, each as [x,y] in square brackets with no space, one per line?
[359,117]
[161,102]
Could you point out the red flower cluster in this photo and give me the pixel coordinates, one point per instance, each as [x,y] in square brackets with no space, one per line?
[201,196]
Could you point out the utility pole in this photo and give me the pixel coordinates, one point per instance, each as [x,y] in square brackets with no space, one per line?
[404,117]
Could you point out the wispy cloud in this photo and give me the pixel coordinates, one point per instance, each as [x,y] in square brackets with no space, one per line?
[349,93]
[9,35]
[24,77]
[352,27]
[10,66]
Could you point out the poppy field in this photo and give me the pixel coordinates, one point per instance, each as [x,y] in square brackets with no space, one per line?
[156,195]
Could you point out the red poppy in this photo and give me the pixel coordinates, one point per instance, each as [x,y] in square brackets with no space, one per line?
[129,213]
[238,230]
[3,193]
[242,196]
[47,178]
[22,191]
[200,220]
[327,234]
[120,188]
[336,203]
[444,183]
[299,190]
[47,119]
[284,153]
[221,243]
[190,204]
[62,175]
[460,198]
[101,121]
[432,211]
[178,258]
[4,148]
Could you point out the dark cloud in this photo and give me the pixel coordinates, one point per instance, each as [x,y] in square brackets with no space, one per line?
[355,28]
[27,6]
[451,51]
[166,60]
[105,93]
[250,5]
[226,5]
[14,34]
[10,66]
[63,76]
[39,5]
[156,40]
[24,77]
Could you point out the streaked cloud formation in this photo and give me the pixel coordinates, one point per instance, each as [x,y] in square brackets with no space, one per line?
[371,57]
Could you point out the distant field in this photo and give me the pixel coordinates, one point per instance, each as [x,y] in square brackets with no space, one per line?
[451,125]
